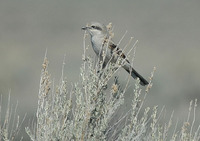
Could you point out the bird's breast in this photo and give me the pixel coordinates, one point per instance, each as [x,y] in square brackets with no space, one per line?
[99,46]
[97,43]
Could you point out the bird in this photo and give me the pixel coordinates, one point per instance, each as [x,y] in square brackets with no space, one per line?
[100,41]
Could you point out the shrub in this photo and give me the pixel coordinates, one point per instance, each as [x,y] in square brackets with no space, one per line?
[87,110]
[10,124]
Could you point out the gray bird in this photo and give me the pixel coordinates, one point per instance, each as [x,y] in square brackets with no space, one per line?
[100,41]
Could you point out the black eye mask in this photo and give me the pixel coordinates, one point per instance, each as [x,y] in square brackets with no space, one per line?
[96,27]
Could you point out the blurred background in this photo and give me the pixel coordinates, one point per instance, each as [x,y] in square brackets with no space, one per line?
[168,34]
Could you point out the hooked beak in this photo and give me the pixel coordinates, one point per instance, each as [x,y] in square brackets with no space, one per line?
[85,28]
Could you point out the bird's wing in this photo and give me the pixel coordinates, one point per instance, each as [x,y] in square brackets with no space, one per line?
[127,66]
[119,52]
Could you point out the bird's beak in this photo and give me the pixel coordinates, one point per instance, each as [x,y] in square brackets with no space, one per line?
[84,28]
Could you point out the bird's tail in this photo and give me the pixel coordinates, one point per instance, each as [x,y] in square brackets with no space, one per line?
[135,74]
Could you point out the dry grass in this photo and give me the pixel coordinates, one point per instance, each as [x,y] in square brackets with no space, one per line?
[86,110]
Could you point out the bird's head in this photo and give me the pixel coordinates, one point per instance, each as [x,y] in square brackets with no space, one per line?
[96,28]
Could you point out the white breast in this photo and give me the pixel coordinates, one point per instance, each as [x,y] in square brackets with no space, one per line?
[97,44]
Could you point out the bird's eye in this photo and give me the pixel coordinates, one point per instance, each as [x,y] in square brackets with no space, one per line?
[96,27]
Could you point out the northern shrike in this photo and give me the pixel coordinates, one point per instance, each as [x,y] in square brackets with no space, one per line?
[100,41]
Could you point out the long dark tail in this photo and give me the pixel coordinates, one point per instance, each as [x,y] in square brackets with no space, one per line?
[135,74]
